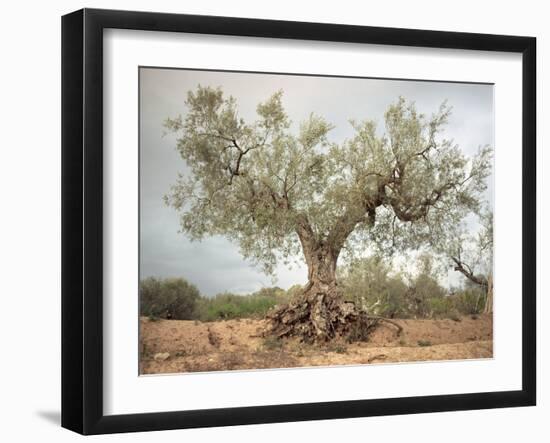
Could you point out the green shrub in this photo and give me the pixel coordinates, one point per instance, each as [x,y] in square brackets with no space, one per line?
[470,301]
[427,297]
[232,306]
[369,284]
[442,307]
[171,298]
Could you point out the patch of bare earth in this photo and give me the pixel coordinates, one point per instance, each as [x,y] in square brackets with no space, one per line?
[169,346]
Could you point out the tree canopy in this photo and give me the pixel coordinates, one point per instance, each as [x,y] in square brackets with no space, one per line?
[275,191]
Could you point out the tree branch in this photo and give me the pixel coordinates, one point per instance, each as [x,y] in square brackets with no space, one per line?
[464,269]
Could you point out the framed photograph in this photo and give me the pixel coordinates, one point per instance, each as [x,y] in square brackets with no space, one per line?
[269,221]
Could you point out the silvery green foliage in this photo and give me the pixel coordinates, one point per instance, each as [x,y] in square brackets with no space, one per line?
[258,183]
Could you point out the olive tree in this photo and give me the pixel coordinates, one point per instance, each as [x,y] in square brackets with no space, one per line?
[425,295]
[275,191]
[472,256]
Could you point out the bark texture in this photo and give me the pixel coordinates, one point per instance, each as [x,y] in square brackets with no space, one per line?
[320,313]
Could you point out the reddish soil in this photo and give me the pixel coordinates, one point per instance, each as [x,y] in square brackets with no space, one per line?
[169,346]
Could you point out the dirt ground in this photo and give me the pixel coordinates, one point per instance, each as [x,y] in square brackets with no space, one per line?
[169,346]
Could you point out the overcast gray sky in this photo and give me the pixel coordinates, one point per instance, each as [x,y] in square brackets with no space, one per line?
[214,265]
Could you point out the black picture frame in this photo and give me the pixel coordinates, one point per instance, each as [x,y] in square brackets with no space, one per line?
[82,219]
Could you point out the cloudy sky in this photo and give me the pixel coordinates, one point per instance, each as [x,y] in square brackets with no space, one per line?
[214,265]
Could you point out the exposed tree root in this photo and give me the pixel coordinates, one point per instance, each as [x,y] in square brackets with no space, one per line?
[322,316]
[387,320]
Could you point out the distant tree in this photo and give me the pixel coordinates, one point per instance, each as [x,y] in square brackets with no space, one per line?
[472,256]
[275,193]
[424,290]
[371,285]
[471,300]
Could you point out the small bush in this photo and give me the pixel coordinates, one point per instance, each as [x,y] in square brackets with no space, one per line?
[424,343]
[441,307]
[171,298]
[339,348]
[470,301]
[370,284]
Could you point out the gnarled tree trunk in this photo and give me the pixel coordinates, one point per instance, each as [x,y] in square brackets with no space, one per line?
[320,313]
